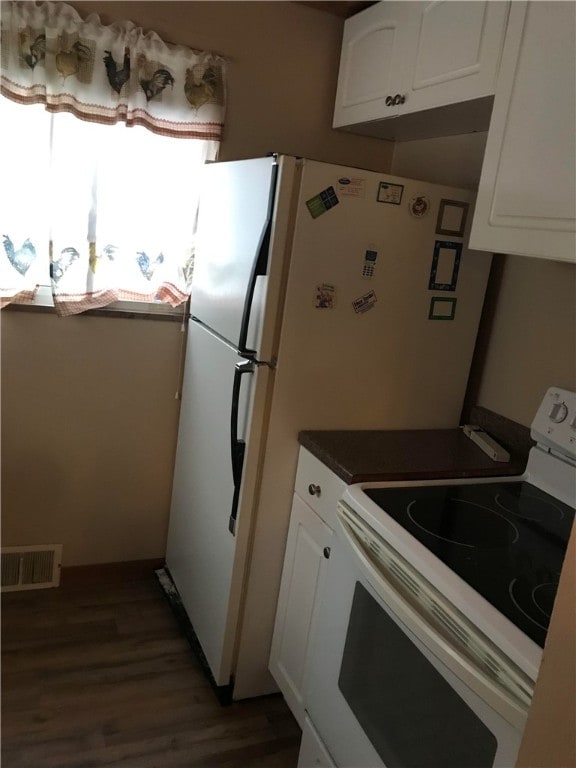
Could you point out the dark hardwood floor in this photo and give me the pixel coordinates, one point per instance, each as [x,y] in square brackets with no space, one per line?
[100,675]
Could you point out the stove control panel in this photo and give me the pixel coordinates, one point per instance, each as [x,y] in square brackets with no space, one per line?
[555,422]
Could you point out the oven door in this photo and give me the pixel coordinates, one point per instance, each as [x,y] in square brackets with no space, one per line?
[386,687]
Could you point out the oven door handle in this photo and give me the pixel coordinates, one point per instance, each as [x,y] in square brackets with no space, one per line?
[513,708]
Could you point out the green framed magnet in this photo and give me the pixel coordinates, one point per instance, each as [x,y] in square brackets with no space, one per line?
[389,193]
[442,308]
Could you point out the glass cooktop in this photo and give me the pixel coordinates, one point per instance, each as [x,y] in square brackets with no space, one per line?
[507,540]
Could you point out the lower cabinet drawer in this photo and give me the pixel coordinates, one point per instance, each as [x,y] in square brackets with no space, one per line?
[318,486]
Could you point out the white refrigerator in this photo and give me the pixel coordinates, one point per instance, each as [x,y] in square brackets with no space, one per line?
[323,297]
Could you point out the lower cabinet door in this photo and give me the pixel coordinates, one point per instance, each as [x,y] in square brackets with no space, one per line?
[307,553]
[313,753]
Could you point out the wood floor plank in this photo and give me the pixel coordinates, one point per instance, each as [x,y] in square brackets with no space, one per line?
[100,676]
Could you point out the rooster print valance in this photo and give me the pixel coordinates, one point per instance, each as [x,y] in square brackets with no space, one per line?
[107,74]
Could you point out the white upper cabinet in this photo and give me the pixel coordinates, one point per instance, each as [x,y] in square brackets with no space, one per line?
[416,69]
[527,198]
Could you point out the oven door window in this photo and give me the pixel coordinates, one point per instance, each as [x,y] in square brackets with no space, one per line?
[412,716]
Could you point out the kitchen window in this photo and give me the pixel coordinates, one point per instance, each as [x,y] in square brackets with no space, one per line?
[105,132]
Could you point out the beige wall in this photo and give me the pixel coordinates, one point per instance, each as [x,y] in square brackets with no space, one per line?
[532,336]
[89,421]
[89,417]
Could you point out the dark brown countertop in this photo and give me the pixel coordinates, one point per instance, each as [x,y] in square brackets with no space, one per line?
[373,455]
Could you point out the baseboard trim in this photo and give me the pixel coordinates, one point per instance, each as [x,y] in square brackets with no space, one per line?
[109,573]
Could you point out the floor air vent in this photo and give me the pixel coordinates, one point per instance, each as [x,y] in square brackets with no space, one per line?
[36,567]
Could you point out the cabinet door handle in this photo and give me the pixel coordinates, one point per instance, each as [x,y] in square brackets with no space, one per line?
[399,99]
[314,490]
[389,101]
[326,552]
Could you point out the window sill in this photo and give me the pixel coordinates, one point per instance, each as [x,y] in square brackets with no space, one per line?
[128,310]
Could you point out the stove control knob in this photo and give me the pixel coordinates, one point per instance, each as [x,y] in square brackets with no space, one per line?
[558,412]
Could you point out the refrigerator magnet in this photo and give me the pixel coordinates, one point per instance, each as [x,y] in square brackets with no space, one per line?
[369,266]
[442,308]
[351,186]
[364,303]
[325,296]
[389,193]
[419,206]
[452,218]
[445,266]
[322,202]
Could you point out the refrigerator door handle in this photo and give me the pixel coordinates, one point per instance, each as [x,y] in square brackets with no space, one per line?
[259,268]
[237,446]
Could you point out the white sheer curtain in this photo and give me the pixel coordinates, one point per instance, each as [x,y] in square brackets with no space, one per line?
[24,193]
[122,215]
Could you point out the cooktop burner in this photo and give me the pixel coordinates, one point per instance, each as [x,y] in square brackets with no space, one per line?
[463,522]
[507,540]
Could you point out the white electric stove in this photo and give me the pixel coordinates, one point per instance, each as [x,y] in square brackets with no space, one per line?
[430,633]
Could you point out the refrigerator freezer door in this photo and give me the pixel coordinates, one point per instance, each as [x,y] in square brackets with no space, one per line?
[201,549]
[232,246]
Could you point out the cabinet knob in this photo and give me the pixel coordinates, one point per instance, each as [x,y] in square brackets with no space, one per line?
[326,552]
[314,490]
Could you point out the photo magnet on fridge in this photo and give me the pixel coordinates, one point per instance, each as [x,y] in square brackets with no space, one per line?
[442,308]
[325,296]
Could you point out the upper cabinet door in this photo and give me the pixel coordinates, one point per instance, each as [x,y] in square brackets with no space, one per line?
[527,198]
[372,62]
[430,66]
[457,48]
